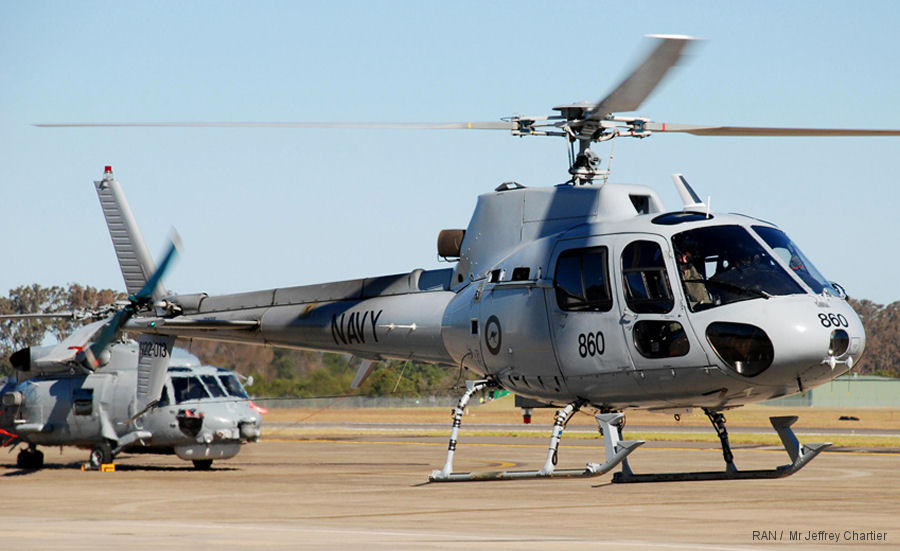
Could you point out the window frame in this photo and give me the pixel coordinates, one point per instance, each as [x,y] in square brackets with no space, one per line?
[648,305]
[564,298]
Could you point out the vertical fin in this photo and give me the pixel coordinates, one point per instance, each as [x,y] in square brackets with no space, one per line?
[689,197]
[153,363]
[134,259]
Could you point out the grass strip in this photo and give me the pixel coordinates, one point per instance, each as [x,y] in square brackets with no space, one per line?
[762,439]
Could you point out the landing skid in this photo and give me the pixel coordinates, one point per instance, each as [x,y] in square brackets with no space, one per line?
[800,456]
[616,450]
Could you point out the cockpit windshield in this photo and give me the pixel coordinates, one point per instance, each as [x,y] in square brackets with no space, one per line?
[212,385]
[791,255]
[723,264]
[233,386]
[188,388]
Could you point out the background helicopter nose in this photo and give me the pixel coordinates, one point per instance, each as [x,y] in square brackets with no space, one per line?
[249,429]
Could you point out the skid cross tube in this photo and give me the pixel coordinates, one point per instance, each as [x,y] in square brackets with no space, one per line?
[616,450]
[799,455]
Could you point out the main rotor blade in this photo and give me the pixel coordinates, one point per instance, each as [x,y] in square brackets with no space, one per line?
[631,93]
[702,130]
[476,125]
[71,314]
[71,346]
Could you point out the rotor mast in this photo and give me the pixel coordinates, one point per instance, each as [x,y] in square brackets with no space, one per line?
[589,122]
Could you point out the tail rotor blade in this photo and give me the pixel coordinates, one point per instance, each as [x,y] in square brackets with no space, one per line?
[146,293]
[144,296]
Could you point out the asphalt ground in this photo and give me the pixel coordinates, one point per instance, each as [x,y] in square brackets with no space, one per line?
[369,491]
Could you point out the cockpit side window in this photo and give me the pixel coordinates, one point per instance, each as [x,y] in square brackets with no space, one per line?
[188,388]
[212,385]
[646,283]
[233,386]
[582,280]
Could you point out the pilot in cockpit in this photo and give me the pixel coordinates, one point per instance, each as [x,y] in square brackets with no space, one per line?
[692,278]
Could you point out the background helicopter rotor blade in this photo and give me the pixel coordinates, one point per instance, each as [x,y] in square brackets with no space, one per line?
[137,301]
[631,92]
[706,130]
[475,125]
[69,314]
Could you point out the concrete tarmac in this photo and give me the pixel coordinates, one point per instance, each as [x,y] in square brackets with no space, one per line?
[369,492]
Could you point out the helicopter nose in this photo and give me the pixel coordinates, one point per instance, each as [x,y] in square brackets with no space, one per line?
[846,344]
[822,341]
[794,344]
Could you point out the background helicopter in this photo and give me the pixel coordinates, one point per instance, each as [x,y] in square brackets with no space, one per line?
[96,390]
[204,413]
[579,295]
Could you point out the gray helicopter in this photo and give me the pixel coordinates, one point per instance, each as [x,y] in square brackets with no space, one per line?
[98,390]
[203,414]
[587,295]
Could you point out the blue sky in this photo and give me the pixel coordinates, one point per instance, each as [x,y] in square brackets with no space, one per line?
[261,208]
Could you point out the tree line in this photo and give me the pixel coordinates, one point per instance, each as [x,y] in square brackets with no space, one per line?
[280,372]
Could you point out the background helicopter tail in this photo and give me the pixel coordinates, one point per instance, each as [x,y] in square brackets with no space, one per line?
[134,258]
[142,280]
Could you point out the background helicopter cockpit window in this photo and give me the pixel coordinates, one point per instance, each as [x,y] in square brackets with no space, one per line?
[212,386]
[582,280]
[790,253]
[725,264]
[233,386]
[188,388]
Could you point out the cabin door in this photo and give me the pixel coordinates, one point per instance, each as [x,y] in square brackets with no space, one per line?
[664,349]
[584,319]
